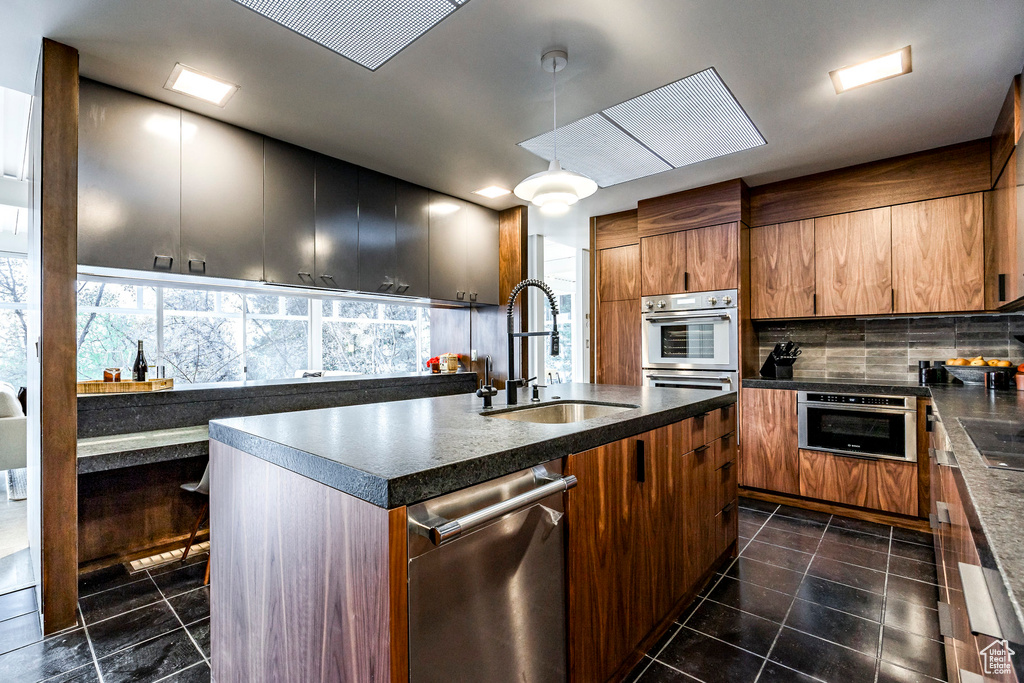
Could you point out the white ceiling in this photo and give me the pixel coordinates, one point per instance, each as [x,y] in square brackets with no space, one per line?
[448,111]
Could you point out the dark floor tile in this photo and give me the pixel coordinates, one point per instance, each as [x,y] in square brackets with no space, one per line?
[634,674]
[921,553]
[861,525]
[710,660]
[780,557]
[110,635]
[83,674]
[197,673]
[55,655]
[776,673]
[659,673]
[912,591]
[804,527]
[800,513]
[910,536]
[856,539]
[841,597]
[192,606]
[752,598]
[912,569]
[665,637]
[180,580]
[748,529]
[857,556]
[105,579]
[849,574]
[152,659]
[767,575]
[16,603]
[112,602]
[200,631]
[806,544]
[838,627]
[19,631]
[822,659]
[758,505]
[923,621]
[890,673]
[914,652]
[741,629]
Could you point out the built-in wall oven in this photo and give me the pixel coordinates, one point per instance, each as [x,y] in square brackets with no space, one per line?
[691,340]
[862,425]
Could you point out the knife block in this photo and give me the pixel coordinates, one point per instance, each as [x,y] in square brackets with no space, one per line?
[773,370]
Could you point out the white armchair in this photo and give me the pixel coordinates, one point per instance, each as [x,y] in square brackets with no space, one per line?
[13,443]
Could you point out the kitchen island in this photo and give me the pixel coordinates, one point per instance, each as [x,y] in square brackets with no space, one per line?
[311,534]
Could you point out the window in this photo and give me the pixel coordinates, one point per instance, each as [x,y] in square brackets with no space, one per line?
[200,335]
[13,330]
[560,275]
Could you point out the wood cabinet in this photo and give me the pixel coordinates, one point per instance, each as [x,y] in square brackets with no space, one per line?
[663,259]
[877,484]
[289,220]
[937,255]
[618,343]
[129,180]
[697,260]
[769,452]
[378,248]
[412,240]
[853,263]
[782,270]
[337,224]
[618,270]
[463,251]
[1004,240]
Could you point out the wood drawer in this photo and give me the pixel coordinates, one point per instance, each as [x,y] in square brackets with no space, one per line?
[720,422]
[725,449]
[724,485]
[726,528]
[877,484]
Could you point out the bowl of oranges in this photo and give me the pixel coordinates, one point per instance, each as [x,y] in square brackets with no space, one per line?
[973,370]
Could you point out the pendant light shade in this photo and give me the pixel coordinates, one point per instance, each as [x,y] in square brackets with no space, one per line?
[555,189]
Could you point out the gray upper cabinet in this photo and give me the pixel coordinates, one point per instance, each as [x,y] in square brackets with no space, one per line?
[337,224]
[221,199]
[129,175]
[447,248]
[412,240]
[289,213]
[378,259]
[482,254]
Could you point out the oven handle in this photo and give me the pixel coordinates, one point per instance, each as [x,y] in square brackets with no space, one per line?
[857,408]
[691,378]
[671,317]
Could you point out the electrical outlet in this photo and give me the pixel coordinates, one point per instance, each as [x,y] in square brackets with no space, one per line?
[472,355]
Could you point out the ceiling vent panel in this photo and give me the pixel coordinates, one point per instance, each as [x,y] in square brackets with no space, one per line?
[369,32]
[597,148]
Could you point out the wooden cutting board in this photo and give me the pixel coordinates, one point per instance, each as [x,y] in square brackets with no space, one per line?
[97,386]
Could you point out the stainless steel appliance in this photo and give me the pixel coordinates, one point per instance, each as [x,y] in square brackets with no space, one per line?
[862,425]
[691,340]
[1000,442]
[487,581]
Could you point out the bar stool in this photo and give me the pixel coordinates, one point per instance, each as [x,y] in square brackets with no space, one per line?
[202,487]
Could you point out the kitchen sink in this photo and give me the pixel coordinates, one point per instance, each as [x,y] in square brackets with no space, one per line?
[563,412]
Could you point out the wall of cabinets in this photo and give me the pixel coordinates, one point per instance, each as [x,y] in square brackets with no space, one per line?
[163,189]
[617,300]
[695,260]
[649,519]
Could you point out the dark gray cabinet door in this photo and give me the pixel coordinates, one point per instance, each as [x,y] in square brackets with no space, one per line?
[377,252]
[129,180]
[337,224]
[412,239]
[482,255]
[221,199]
[289,213]
[448,217]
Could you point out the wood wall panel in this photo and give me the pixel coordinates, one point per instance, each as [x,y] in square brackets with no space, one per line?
[942,172]
[616,230]
[1002,240]
[848,481]
[618,343]
[302,574]
[782,270]
[853,263]
[663,264]
[713,257]
[938,261]
[724,202]
[619,274]
[1007,130]
[769,457]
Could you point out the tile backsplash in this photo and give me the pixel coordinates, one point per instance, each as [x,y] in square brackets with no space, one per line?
[889,348]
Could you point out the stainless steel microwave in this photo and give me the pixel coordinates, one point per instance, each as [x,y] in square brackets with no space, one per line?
[862,425]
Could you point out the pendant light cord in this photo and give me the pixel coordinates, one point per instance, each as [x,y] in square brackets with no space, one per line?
[554,100]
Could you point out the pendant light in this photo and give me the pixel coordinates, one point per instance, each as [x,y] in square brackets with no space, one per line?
[555,189]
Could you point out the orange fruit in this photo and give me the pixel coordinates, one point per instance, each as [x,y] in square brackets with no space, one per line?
[1004,364]
[994,362]
[977,362]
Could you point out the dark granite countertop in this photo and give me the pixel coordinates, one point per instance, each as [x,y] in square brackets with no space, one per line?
[404,452]
[864,386]
[102,453]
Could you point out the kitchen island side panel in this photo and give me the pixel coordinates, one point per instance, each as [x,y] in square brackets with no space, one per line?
[307,581]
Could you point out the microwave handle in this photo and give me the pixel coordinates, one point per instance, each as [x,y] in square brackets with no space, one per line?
[670,317]
[691,378]
[857,408]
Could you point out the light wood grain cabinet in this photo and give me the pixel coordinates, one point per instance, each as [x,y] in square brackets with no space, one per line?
[782,270]
[937,255]
[663,264]
[696,260]
[1004,241]
[853,263]
[618,343]
[769,453]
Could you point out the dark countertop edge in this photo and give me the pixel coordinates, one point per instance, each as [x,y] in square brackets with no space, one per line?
[394,493]
[853,386]
[105,462]
[213,392]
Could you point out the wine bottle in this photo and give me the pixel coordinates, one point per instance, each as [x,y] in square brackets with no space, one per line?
[139,368]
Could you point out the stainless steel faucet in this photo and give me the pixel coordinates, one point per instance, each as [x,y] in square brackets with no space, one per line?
[512,385]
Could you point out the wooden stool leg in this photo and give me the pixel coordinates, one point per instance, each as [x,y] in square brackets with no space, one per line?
[192,538]
[206,581]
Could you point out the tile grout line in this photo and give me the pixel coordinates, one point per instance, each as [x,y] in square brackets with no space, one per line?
[172,675]
[88,640]
[175,613]
[881,625]
[807,569]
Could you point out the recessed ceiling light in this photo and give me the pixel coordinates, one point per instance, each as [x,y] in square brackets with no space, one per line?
[189,81]
[492,192]
[878,69]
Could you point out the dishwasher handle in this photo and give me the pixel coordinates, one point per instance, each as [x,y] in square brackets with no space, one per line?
[449,531]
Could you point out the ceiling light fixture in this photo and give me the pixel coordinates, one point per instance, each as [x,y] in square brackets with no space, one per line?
[492,192]
[555,189]
[878,69]
[443,208]
[202,86]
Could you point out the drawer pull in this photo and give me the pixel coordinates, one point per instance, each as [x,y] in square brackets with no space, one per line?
[945,620]
[942,513]
[728,507]
[641,463]
[701,449]
[989,612]
[201,262]
[726,465]
[161,262]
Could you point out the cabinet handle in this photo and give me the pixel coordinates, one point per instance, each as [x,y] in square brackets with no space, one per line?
[472,296]
[328,277]
[814,305]
[460,295]
[196,260]
[304,276]
[402,288]
[701,449]
[641,463]
[726,465]
[686,281]
[157,265]
[386,285]
[728,507]
[892,304]
[1002,287]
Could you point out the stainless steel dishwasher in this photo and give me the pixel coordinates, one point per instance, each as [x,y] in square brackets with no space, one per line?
[487,581]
